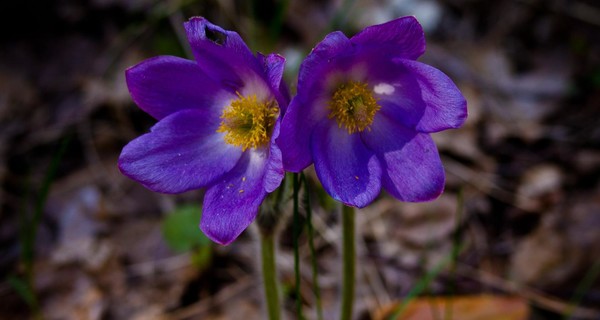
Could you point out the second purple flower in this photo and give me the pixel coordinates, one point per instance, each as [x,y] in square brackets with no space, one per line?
[363,114]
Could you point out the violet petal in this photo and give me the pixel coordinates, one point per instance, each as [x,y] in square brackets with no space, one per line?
[164,85]
[412,169]
[182,152]
[274,171]
[444,106]
[222,54]
[320,60]
[349,171]
[309,106]
[296,128]
[273,66]
[403,36]
[233,202]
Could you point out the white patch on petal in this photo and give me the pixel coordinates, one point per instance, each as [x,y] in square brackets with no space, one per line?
[384,88]
[258,159]
[255,85]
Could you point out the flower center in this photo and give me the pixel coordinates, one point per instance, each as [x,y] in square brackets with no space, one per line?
[248,123]
[353,106]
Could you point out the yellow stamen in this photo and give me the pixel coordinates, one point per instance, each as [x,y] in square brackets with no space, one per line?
[353,106]
[248,123]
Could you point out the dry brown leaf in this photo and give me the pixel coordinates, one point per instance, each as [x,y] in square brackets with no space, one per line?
[562,247]
[478,307]
[540,187]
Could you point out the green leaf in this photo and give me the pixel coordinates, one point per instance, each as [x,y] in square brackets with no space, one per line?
[180,229]
[23,289]
[202,257]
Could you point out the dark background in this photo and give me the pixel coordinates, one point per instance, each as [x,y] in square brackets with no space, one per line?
[523,172]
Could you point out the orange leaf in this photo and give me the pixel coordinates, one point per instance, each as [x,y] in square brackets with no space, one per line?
[481,307]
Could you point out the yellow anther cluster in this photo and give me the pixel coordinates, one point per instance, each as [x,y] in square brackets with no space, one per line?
[248,123]
[353,106]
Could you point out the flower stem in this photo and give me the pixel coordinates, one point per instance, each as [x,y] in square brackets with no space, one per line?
[311,245]
[296,235]
[348,257]
[269,271]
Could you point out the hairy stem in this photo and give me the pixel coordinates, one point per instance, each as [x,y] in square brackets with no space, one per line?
[348,257]
[296,229]
[269,272]
[311,245]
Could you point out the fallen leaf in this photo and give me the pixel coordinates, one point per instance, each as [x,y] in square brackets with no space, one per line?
[478,307]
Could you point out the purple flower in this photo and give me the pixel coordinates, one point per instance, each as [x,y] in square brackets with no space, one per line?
[363,114]
[218,118]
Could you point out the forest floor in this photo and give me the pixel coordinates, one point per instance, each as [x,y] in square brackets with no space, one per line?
[521,209]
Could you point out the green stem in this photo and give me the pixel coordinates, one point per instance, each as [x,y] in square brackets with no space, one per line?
[311,245]
[269,271]
[456,245]
[583,287]
[348,257]
[296,231]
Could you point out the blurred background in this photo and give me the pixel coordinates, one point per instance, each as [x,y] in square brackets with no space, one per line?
[517,232]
